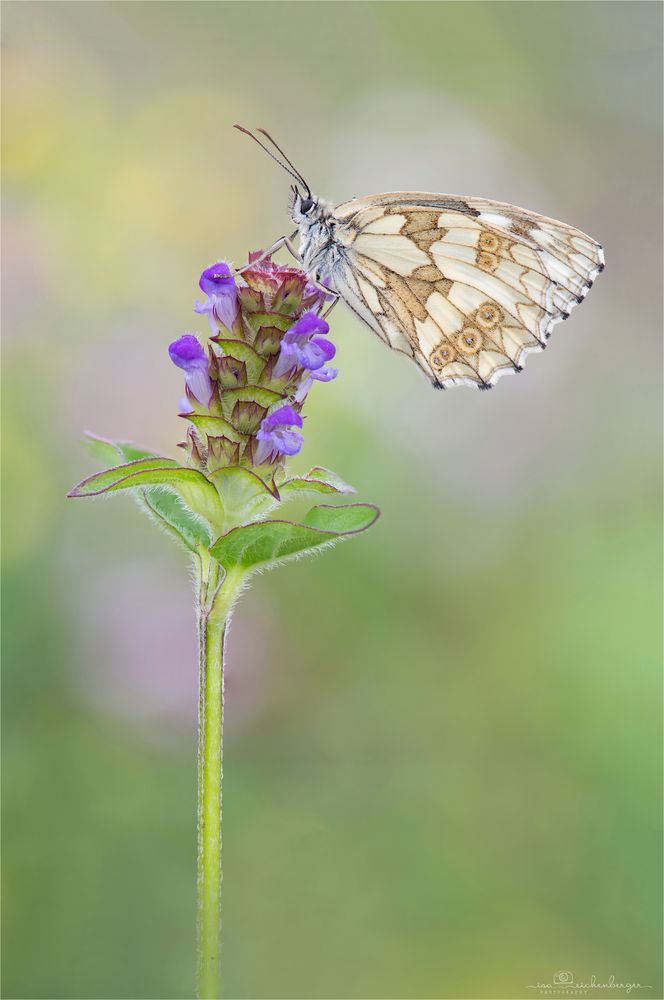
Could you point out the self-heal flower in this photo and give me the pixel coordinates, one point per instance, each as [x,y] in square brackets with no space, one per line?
[187,353]
[303,346]
[323,374]
[221,304]
[276,435]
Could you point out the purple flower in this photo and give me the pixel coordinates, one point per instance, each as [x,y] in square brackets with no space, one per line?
[323,374]
[221,303]
[276,436]
[187,353]
[302,347]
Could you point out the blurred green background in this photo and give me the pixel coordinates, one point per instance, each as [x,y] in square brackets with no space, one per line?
[442,767]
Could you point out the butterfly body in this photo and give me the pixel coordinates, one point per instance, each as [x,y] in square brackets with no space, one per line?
[319,249]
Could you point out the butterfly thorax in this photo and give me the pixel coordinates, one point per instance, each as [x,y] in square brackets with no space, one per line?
[320,249]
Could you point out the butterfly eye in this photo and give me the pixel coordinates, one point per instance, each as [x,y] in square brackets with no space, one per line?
[306,205]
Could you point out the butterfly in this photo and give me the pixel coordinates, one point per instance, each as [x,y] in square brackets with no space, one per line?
[466,287]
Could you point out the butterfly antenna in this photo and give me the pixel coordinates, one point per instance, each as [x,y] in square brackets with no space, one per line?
[288,161]
[293,172]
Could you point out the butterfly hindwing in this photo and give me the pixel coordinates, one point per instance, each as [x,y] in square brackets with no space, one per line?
[465,286]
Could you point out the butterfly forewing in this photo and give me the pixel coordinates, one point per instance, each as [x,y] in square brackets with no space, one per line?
[467,287]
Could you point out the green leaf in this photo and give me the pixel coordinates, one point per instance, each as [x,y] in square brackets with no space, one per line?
[243,494]
[109,451]
[168,510]
[345,519]
[131,452]
[163,506]
[318,481]
[101,482]
[263,544]
[104,451]
[318,472]
[197,492]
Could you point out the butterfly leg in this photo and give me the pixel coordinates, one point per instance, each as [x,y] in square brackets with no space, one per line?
[328,291]
[287,243]
[283,241]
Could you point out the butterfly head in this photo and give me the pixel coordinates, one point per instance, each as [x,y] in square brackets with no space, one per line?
[304,208]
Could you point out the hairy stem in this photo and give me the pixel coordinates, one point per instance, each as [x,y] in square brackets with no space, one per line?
[216,597]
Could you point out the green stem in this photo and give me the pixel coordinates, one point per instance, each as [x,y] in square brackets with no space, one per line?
[217,595]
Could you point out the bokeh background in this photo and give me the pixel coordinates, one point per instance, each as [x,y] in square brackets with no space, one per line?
[443,740]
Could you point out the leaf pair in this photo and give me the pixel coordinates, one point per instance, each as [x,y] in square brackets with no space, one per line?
[195,509]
